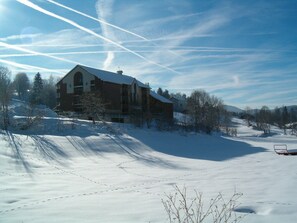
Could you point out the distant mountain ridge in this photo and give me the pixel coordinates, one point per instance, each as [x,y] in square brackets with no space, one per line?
[231,108]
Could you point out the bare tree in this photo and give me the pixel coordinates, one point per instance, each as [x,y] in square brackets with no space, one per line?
[205,111]
[226,121]
[48,92]
[93,106]
[248,116]
[263,119]
[277,117]
[5,94]
[195,108]
[21,84]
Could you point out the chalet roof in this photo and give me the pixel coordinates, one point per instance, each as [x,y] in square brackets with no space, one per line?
[113,77]
[160,97]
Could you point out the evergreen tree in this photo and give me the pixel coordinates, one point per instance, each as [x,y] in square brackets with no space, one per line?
[166,94]
[36,92]
[160,91]
[285,119]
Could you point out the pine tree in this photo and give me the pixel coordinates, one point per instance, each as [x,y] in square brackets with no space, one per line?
[36,97]
[166,94]
[160,91]
[285,119]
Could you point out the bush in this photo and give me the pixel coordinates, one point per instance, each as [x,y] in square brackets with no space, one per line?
[181,209]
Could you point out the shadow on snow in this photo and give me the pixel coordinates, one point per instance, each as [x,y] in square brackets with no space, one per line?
[46,148]
[196,146]
[138,144]
[17,151]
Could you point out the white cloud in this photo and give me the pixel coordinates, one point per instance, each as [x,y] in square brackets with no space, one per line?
[108,60]
[236,80]
[104,10]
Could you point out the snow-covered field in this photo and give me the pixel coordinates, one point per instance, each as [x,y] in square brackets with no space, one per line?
[71,171]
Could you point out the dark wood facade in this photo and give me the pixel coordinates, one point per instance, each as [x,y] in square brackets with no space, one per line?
[122,94]
[160,109]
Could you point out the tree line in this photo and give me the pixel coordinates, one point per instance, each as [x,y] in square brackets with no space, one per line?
[263,119]
[204,112]
[40,91]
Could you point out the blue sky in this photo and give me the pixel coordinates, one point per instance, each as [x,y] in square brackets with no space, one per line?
[244,52]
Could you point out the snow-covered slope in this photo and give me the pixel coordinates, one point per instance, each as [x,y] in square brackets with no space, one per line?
[71,171]
[231,108]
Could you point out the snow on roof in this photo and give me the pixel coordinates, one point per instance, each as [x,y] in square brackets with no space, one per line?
[113,77]
[178,97]
[160,97]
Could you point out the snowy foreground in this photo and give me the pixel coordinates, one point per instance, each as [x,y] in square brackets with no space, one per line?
[120,174]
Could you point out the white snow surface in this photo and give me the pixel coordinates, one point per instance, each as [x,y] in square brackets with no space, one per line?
[113,77]
[72,171]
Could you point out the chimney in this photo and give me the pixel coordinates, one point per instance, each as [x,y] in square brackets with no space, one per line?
[120,72]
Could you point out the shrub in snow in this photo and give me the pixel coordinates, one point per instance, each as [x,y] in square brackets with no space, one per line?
[180,208]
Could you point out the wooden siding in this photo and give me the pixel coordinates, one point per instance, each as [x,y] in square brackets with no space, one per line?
[120,102]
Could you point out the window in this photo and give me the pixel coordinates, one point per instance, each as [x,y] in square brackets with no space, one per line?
[78,79]
[134,92]
[92,85]
[78,90]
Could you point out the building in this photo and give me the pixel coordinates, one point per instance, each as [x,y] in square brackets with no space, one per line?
[160,106]
[179,103]
[123,94]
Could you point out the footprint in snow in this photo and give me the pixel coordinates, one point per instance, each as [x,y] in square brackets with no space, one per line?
[246,210]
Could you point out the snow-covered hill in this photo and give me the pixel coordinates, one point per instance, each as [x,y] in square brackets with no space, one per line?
[231,108]
[72,171]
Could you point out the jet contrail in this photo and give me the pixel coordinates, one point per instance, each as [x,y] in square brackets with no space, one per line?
[9,46]
[29,67]
[107,23]
[37,8]
[120,51]
[98,20]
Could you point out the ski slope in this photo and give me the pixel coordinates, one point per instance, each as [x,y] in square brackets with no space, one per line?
[67,170]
